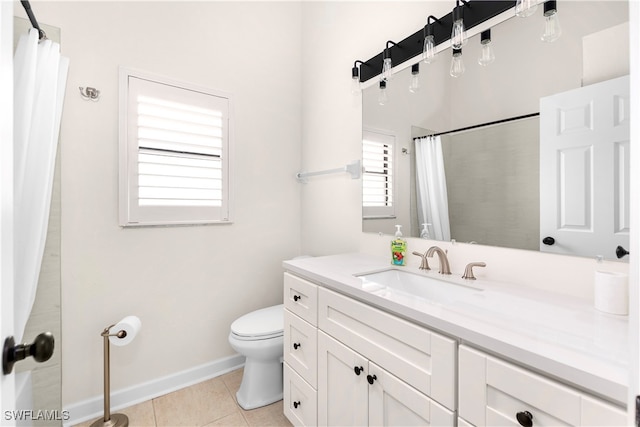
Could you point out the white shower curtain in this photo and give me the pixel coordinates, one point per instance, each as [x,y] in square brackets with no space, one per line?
[40,75]
[433,206]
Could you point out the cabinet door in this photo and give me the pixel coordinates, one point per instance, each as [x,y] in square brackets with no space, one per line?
[342,391]
[395,403]
[494,392]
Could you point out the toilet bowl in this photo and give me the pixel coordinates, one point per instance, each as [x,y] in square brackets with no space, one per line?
[259,337]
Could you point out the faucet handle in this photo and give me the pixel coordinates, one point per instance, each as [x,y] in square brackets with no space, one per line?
[468,270]
[424,264]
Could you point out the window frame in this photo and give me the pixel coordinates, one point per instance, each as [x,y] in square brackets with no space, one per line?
[381,212]
[133,215]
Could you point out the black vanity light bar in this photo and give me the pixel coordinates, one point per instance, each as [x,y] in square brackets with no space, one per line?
[475,13]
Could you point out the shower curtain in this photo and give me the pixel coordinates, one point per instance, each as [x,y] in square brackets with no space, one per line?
[40,75]
[433,206]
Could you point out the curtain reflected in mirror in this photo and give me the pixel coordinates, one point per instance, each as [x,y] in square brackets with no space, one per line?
[431,188]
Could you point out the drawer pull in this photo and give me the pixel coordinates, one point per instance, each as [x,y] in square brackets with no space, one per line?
[371,378]
[358,369]
[296,345]
[525,418]
[296,404]
[296,297]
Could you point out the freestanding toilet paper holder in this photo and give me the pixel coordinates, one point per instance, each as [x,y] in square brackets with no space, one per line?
[109,419]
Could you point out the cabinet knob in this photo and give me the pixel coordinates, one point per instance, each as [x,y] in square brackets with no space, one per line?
[525,418]
[296,345]
[358,369]
[296,404]
[548,240]
[296,297]
[371,378]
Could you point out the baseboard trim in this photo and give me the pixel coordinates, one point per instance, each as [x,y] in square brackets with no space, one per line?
[93,408]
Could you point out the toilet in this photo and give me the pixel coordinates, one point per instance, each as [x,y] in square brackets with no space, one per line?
[259,337]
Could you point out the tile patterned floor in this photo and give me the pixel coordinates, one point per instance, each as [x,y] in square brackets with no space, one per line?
[207,404]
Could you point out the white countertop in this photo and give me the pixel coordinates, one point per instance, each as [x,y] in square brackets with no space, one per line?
[557,335]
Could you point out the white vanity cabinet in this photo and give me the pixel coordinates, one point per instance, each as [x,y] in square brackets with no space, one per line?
[354,391]
[495,392]
[347,363]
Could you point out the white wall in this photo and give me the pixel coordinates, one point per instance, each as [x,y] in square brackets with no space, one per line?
[331,134]
[187,284]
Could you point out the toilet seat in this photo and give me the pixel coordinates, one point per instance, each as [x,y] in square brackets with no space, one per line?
[261,324]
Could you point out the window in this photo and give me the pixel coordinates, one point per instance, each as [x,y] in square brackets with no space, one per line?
[174,152]
[377,179]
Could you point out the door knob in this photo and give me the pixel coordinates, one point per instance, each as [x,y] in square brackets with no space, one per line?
[620,252]
[41,349]
[548,240]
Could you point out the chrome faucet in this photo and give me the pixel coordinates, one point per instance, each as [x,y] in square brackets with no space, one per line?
[468,271]
[424,264]
[442,256]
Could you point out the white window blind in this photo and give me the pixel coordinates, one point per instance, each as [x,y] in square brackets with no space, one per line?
[174,157]
[377,179]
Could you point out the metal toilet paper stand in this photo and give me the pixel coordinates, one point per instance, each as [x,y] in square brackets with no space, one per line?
[109,419]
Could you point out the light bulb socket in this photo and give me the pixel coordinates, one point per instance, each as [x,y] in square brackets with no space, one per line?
[485,36]
[383,84]
[428,29]
[355,73]
[415,69]
[457,52]
[550,7]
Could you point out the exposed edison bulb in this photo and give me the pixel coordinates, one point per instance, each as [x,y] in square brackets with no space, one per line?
[552,30]
[414,84]
[486,50]
[526,8]
[383,98]
[486,54]
[429,49]
[355,85]
[457,65]
[386,69]
[458,31]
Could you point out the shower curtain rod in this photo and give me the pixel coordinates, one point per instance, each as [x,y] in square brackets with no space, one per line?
[526,116]
[32,18]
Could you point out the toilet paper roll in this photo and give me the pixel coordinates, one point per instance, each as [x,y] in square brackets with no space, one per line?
[131,325]
[611,292]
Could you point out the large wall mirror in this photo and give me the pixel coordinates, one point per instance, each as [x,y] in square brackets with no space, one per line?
[513,183]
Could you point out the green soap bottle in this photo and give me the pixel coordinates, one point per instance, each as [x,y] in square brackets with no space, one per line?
[398,248]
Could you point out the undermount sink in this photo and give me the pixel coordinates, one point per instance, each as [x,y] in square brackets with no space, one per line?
[392,282]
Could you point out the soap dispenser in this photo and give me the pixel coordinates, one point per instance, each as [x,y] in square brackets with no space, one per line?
[398,248]
[424,234]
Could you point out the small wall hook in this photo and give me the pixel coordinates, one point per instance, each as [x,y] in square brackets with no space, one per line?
[89,93]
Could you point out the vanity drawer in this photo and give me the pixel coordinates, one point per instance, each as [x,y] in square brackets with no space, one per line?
[493,392]
[421,358]
[301,297]
[300,399]
[301,347]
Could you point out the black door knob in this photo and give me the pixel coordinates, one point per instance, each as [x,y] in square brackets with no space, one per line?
[41,349]
[358,369]
[296,404]
[371,378]
[296,345]
[620,252]
[548,240]
[525,418]
[296,297]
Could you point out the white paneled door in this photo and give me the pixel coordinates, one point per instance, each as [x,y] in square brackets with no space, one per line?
[7,387]
[585,170]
